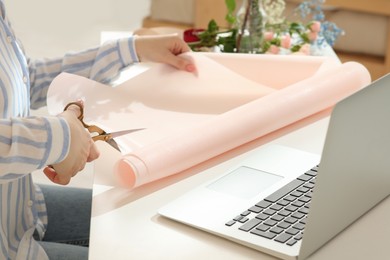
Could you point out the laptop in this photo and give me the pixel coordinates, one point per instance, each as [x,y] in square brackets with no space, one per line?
[288,203]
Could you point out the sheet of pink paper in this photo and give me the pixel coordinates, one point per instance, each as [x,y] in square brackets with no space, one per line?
[162,99]
[240,125]
[190,119]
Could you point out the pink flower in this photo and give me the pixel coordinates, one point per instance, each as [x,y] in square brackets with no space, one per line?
[312,35]
[305,49]
[315,26]
[268,36]
[286,41]
[273,49]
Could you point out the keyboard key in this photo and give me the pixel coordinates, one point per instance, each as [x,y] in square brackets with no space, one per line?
[303,189]
[298,203]
[309,185]
[270,222]
[311,173]
[298,237]
[245,213]
[291,208]
[283,203]
[298,215]
[296,193]
[262,216]
[276,230]
[263,204]
[290,198]
[269,212]
[291,242]
[277,217]
[238,218]
[250,224]
[309,194]
[276,207]
[305,177]
[283,238]
[291,220]
[263,227]
[292,231]
[284,190]
[303,221]
[304,199]
[268,235]
[243,220]
[284,213]
[299,226]
[284,225]
[303,210]
[230,223]
[255,209]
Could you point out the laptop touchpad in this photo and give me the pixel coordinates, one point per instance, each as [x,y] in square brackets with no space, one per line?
[244,182]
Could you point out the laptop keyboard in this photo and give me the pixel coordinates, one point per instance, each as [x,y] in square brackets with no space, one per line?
[282,215]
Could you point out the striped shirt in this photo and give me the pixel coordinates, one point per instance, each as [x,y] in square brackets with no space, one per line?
[29,143]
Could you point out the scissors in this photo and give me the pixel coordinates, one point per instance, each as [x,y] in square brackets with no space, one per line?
[98,133]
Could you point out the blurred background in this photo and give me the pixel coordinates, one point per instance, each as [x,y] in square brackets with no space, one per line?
[49,28]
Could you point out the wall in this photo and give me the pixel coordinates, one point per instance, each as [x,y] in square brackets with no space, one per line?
[48,28]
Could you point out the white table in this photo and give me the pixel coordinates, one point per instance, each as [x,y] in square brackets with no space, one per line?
[125,224]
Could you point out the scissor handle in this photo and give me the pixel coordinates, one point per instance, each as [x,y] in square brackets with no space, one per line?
[81,116]
[100,133]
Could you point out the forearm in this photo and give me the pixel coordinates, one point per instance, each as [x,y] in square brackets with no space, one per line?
[27,144]
[100,63]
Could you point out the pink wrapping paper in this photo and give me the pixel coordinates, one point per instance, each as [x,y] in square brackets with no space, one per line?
[290,89]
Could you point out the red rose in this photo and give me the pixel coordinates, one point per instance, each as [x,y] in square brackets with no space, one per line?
[191,35]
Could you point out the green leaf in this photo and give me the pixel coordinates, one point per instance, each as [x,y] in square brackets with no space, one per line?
[305,37]
[231,5]
[212,26]
[295,48]
[266,46]
[230,18]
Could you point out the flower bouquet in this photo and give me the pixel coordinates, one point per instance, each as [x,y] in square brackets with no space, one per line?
[260,26]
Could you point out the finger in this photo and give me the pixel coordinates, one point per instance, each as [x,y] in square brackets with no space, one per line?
[76,109]
[54,177]
[94,152]
[50,173]
[190,68]
[181,63]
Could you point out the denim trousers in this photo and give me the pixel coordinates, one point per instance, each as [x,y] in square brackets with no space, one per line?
[69,216]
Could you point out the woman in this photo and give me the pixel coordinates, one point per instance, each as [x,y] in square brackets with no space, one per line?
[51,222]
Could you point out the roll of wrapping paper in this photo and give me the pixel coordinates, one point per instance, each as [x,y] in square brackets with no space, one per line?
[241,125]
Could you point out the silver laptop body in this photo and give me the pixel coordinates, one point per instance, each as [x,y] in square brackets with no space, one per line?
[354,167]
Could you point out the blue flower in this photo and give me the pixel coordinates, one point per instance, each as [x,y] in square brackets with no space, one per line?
[329,30]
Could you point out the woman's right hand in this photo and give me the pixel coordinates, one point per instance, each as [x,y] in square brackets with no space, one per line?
[82,150]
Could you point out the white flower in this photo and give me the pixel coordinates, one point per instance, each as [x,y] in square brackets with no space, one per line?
[274,10]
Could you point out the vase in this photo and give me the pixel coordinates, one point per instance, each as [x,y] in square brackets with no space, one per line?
[251,20]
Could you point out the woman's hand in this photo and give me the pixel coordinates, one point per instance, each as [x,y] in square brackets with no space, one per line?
[82,150]
[164,49]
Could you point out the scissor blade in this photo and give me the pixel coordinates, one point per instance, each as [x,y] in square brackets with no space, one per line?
[124,132]
[114,144]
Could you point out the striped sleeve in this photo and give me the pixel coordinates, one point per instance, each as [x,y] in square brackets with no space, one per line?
[101,63]
[27,144]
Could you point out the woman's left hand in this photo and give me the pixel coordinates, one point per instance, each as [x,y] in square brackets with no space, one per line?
[164,49]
